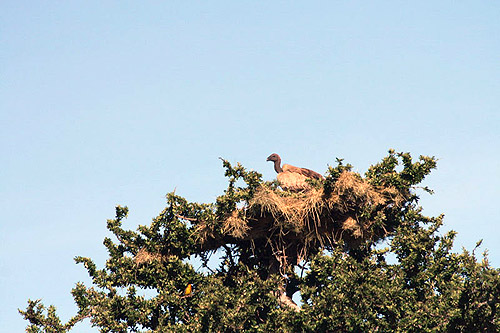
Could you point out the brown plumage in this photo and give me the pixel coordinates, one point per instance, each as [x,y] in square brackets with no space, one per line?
[290,177]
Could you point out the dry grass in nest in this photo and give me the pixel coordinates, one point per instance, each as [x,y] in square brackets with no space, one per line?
[310,215]
[294,224]
[353,227]
[143,256]
[351,189]
[203,233]
[235,226]
[288,210]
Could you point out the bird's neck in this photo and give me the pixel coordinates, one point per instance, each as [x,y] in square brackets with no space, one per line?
[277,166]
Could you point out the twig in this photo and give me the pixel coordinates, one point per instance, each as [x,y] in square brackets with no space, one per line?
[186,218]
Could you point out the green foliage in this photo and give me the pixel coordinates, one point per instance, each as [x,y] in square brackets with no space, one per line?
[415,284]
[384,173]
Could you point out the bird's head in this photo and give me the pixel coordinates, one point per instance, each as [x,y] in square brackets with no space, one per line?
[273,157]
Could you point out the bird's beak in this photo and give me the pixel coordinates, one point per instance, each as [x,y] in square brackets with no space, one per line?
[268,159]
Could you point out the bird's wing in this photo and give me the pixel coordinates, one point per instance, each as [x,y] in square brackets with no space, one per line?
[310,173]
[303,171]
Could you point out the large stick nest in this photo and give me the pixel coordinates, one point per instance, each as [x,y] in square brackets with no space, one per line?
[296,224]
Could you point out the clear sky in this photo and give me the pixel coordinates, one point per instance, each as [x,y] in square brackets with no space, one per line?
[120,102]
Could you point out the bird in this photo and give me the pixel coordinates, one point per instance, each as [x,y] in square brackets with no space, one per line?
[292,178]
[188,290]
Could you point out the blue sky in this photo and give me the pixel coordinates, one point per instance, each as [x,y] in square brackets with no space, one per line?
[106,103]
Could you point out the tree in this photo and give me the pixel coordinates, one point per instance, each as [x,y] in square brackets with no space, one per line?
[259,246]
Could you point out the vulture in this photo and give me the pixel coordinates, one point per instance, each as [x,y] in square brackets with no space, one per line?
[292,178]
